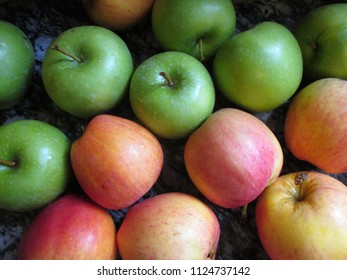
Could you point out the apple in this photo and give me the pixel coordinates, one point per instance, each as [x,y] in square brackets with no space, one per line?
[71,228]
[172,93]
[117,14]
[232,157]
[86,71]
[322,36]
[259,69]
[17,61]
[303,215]
[169,226]
[315,126]
[116,161]
[34,164]
[196,27]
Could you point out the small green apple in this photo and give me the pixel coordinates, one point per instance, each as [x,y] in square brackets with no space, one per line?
[17,61]
[196,27]
[259,69]
[172,93]
[322,36]
[34,164]
[87,70]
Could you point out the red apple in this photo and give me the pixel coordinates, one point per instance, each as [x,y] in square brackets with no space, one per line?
[117,14]
[116,161]
[303,215]
[315,127]
[169,226]
[72,227]
[232,157]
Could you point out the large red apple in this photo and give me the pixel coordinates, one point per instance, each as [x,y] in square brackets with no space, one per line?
[303,215]
[315,127]
[117,14]
[169,226]
[116,161]
[72,227]
[232,157]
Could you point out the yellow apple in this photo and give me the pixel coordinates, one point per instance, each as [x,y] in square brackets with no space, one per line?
[303,215]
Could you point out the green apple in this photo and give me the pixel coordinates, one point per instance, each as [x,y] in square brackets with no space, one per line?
[17,61]
[34,164]
[172,93]
[87,70]
[196,27]
[322,36]
[259,69]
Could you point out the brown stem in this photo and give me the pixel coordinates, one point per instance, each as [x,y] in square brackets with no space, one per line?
[8,163]
[201,51]
[167,78]
[57,48]
[299,179]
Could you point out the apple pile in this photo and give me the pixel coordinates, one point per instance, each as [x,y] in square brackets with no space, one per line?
[231,156]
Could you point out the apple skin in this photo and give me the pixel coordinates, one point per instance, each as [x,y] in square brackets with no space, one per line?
[315,127]
[232,157]
[116,161]
[259,69]
[322,36]
[169,226]
[179,25]
[17,61]
[42,169]
[117,14]
[172,111]
[71,228]
[308,226]
[98,83]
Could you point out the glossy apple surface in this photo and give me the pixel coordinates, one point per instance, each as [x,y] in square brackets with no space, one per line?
[259,69]
[91,73]
[232,157]
[196,27]
[303,215]
[315,127]
[322,36]
[71,228]
[172,93]
[34,164]
[117,14]
[17,61]
[169,226]
[116,161]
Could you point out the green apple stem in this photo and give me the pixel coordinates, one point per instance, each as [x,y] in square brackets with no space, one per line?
[201,51]
[299,179]
[57,48]
[8,163]
[167,78]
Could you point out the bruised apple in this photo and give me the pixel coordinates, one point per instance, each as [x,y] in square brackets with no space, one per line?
[116,161]
[232,157]
[303,215]
[315,127]
[169,226]
[70,228]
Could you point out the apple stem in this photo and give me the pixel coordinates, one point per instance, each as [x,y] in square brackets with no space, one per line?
[202,57]
[57,48]
[167,78]
[299,179]
[8,163]
[244,211]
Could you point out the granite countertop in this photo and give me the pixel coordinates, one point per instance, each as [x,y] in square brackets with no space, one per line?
[43,20]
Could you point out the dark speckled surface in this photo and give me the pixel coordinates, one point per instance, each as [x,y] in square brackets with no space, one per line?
[43,20]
